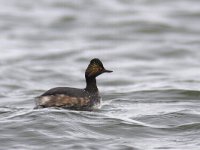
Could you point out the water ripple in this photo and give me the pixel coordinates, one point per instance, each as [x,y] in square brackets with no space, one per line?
[150,101]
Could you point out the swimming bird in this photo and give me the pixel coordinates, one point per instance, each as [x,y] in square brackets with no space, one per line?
[74,98]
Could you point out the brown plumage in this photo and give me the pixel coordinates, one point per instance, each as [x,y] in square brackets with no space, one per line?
[63,101]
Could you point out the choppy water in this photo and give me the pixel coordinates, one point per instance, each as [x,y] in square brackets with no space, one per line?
[152,99]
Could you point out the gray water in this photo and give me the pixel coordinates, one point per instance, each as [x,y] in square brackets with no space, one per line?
[150,102]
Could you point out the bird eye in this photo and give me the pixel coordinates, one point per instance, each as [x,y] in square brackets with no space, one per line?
[100,68]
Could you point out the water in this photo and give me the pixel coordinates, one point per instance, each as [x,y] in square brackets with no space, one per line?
[150,101]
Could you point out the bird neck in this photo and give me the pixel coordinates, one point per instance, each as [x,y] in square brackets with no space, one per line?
[91,85]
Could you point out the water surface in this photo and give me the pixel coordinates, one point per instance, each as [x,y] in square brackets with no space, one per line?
[150,101]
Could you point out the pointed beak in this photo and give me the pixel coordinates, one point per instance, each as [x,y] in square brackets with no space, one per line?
[108,71]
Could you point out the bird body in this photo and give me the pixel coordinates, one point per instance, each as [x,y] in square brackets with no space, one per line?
[73,98]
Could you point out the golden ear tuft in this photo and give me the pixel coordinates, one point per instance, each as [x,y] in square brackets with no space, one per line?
[93,69]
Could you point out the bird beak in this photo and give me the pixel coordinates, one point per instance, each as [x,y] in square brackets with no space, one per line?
[108,71]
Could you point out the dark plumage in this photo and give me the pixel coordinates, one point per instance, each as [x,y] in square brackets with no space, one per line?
[73,98]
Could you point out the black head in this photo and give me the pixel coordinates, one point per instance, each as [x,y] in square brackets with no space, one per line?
[95,68]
